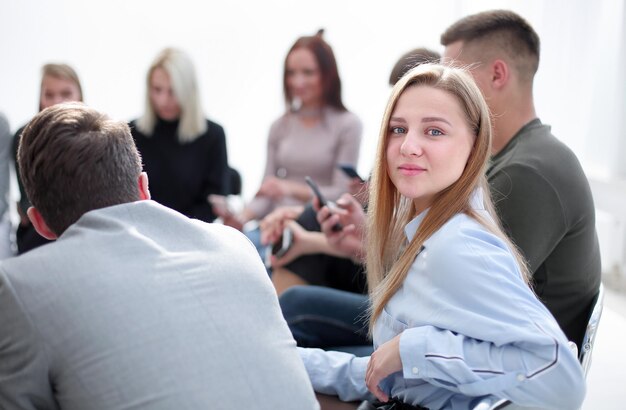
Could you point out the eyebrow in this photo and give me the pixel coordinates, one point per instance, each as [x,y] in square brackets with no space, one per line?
[425,119]
[436,119]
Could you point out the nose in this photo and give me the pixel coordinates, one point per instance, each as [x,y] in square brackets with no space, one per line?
[161,99]
[298,81]
[411,145]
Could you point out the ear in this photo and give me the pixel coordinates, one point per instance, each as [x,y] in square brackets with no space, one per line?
[500,74]
[40,224]
[144,192]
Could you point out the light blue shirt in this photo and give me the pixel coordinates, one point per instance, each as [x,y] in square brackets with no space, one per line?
[470,328]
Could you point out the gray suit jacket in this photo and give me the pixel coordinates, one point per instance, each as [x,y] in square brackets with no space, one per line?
[138,307]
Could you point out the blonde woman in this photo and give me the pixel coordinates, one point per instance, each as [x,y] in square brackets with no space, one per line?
[183,152]
[59,83]
[452,317]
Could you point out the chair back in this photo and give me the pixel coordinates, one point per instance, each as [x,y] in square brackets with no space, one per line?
[590,333]
[234,180]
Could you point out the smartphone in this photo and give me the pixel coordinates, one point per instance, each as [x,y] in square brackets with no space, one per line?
[322,201]
[279,248]
[350,171]
[282,245]
[316,191]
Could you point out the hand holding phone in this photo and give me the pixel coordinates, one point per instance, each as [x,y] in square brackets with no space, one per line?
[322,201]
[280,247]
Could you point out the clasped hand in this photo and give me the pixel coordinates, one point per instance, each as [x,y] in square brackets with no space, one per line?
[383,362]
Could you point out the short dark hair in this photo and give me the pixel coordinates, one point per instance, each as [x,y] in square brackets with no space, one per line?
[500,31]
[331,83]
[74,159]
[410,60]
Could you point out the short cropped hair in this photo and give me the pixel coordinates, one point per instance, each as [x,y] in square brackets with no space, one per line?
[499,31]
[74,159]
[410,60]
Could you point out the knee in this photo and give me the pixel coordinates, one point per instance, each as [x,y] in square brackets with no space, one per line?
[292,301]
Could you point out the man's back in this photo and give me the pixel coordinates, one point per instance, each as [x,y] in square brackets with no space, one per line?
[537,172]
[136,306]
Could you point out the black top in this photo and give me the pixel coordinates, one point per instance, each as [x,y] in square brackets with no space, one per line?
[181,176]
[26,237]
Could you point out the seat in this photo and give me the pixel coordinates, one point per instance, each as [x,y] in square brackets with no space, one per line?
[584,357]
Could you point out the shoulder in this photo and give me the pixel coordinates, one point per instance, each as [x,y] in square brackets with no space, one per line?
[344,119]
[134,130]
[463,245]
[214,128]
[281,122]
[539,152]
[214,134]
[279,126]
[18,133]
[460,230]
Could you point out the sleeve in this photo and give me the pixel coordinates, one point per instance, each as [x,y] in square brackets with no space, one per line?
[349,144]
[498,338]
[260,206]
[515,190]
[336,373]
[24,374]
[215,179]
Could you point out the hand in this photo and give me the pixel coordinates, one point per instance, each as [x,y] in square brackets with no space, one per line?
[273,224]
[383,362]
[273,188]
[219,204]
[348,241]
[303,243]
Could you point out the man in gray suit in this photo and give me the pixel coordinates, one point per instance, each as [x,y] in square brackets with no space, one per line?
[134,305]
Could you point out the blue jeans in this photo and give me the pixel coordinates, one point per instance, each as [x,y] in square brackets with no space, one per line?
[327,318]
[255,237]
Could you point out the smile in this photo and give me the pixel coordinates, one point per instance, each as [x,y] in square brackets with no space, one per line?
[411,170]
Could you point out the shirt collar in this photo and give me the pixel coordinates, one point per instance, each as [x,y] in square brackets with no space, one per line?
[476,202]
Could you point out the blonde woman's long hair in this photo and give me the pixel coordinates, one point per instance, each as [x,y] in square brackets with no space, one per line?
[389,257]
[181,72]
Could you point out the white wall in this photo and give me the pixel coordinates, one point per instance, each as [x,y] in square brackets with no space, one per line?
[239,46]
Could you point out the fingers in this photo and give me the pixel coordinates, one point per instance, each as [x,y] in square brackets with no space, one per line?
[373,378]
[327,226]
[347,201]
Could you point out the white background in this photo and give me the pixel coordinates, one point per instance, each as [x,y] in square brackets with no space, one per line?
[239,48]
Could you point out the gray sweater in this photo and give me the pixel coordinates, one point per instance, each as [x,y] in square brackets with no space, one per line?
[295,151]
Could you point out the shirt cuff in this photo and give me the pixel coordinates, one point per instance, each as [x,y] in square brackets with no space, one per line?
[413,352]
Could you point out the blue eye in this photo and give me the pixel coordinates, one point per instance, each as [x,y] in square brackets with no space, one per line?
[434,132]
[398,130]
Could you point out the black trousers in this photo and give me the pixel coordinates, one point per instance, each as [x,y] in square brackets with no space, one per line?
[392,404]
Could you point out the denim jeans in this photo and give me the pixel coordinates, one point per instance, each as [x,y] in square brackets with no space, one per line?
[254,235]
[327,318]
